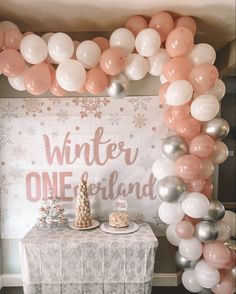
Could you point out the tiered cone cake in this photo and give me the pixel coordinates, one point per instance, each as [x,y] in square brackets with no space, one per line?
[83,216]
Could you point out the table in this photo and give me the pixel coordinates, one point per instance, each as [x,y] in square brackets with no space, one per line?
[64,261]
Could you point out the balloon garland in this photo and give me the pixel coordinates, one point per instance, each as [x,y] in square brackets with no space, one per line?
[191,88]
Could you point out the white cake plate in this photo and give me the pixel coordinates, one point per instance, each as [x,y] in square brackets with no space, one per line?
[131,228]
[94,225]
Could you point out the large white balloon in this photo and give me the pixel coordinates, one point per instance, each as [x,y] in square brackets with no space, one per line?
[220,153]
[202,53]
[190,282]
[18,82]
[60,47]
[33,49]
[148,42]
[218,90]
[179,92]
[207,276]
[163,167]
[70,75]
[88,53]
[190,248]
[157,61]
[224,232]
[171,235]
[195,205]
[230,219]
[122,38]
[205,107]
[170,213]
[136,67]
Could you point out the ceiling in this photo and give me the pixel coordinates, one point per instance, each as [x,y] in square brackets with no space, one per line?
[215,18]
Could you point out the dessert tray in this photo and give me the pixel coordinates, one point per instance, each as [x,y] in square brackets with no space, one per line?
[94,225]
[131,228]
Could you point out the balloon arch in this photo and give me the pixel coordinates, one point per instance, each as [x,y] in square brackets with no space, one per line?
[191,88]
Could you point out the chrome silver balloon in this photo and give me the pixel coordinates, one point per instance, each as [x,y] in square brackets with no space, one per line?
[184,263]
[206,231]
[217,128]
[118,86]
[170,188]
[216,211]
[173,147]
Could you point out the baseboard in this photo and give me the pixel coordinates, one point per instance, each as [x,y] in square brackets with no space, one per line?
[11,280]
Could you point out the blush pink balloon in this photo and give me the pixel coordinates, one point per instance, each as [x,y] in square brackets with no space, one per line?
[113,61]
[188,167]
[188,128]
[82,90]
[193,221]
[13,39]
[184,229]
[102,42]
[195,185]
[55,88]
[163,23]
[226,284]
[168,119]
[180,112]
[12,63]
[96,81]
[187,22]
[162,91]
[202,146]
[207,168]
[37,79]
[203,77]
[207,189]
[179,42]
[219,256]
[136,24]
[177,68]
[2,37]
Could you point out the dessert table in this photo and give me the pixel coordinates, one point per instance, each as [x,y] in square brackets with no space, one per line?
[64,261]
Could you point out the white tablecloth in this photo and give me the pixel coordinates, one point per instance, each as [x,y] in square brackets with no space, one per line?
[74,262]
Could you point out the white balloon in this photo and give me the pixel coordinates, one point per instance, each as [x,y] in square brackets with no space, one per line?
[17,83]
[202,53]
[47,36]
[224,232]
[157,61]
[70,75]
[190,248]
[218,90]
[170,213]
[136,67]
[88,53]
[206,275]
[195,205]
[33,49]
[122,38]
[190,282]
[207,168]
[60,47]
[230,219]
[7,25]
[148,42]
[205,107]
[179,92]
[163,167]
[163,79]
[171,235]
[220,153]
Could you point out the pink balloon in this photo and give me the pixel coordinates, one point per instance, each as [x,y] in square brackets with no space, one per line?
[179,42]
[202,146]
[113,61]
[102,42]
[136,24]
[162,91]
[203,77]
[168,119]
[180,112]
[219,256]
[13,39]
[12,63]
[184,229]
[207,168]
[193,221]
[207,189]
[37,79]
[55,88]
[163,23]
[226,284]
[96,81]
[188,167]
[187,22]
[188,128]
[2,37]
[177,68]
[195,185]
[82,90]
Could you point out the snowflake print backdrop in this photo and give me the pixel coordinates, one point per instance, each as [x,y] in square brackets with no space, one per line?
[46,142]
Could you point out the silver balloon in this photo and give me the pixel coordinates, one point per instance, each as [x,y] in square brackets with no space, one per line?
[170,188]
[206,231]
[216,211]
[173,147]
[118,86]
[217,128]
[184,263]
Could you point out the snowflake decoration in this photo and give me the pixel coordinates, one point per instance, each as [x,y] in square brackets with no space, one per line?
[4,215]
[5,136]
[16,172]
[18,152]
[4,185]
[55,101]
[114,119]
[8,111]
[31,131]
[139,103]
[54,134]
[32,106]
[62,115]
[146,162]
[91,105]
[139,120]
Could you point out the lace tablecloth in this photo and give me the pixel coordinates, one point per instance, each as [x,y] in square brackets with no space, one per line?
[64,261]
